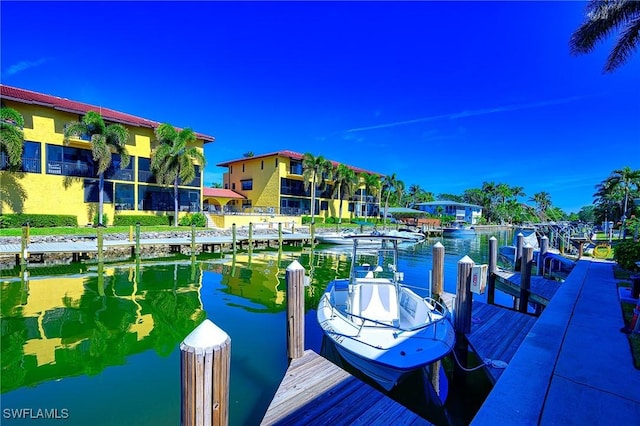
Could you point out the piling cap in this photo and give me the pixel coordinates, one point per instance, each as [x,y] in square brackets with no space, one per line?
[465,259]
[295,265]
[438,245]
[205,338]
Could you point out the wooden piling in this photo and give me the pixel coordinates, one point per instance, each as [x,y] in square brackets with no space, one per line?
[295,310]
[437,274]
[525,277]
[138,240]
[100,240]
[250,237]
[279,235]
[205,361]
[233,238]
[193,242]
[493,267]
[519,244]
[544,248]
[24,243]
[462,315]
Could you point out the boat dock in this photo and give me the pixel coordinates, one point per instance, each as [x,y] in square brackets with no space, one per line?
[541,289]
[315,391]
[574,366]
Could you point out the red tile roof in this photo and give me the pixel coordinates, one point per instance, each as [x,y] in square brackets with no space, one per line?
[219,192]
[63,104]
[293,155]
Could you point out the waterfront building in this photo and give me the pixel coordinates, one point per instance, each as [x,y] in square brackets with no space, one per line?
[462,212]
[59,178]
[272,183]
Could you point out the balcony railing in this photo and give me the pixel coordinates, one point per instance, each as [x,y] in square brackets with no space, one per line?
[69,169]
[28,165]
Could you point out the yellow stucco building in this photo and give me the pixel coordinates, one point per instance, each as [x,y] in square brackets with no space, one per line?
[273,183]
[55,178]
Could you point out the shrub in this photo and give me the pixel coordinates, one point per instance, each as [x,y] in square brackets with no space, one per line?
[197,219]
[105,219]
[307,219]
[37,220]
[144,220]
[627,253]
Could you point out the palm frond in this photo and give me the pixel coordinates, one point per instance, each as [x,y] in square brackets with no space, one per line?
[94,122]
[625,46]
[74,129]
[11,117]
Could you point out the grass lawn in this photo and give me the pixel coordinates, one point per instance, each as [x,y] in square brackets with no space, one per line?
[88,230]
[627,313]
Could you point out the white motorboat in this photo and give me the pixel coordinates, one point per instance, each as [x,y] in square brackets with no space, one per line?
[346,237]
[508,253]
[380,325]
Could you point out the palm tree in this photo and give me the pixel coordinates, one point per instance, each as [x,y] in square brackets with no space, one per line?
[11,136]
[542,200]
[389,185]
[173,159]
[344,183]
[602,18]
[315,171]
[622,181]
[371,185]
[104,140]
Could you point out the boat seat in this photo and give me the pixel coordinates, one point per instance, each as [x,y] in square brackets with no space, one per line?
[377,301]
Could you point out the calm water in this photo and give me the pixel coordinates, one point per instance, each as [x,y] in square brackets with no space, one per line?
[103,348]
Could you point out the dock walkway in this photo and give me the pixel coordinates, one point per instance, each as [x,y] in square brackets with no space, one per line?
[315,391]
[575,366]
[541,289]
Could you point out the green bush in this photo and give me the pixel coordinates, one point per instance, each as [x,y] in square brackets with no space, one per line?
[37,220]
[144,220]
[331,220]
[105,219]
[307,219]
[627,253]
[197,219]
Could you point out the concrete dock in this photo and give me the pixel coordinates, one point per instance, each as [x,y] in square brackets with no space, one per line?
[575,366]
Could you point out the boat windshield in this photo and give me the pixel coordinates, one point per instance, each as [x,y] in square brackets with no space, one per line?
[375,262]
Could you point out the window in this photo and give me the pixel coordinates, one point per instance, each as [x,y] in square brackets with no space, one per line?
[233,186]
[247,185]
[324,205]
[92,191]
[30,158]
[242,167]
[144,171]
[115,172]
[124,196]
[246,204]
[69,161]
[296,167]
[230,170]
[154,198]
[276,162]
[262,165]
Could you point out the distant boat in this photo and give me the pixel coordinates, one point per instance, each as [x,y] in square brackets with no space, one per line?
[378,324]
[458,230]
[345,237]
[508,253]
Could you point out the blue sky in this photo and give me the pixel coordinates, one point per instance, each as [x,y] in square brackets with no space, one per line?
[446,95]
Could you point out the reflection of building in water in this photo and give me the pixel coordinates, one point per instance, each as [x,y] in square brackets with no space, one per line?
[65,326]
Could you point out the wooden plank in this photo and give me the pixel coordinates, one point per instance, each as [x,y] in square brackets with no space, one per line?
[496,334]
[542,289]
[315,391]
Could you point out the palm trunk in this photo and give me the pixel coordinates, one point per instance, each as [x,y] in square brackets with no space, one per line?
[313,200]
[340,206]
[175,202]
[100,199]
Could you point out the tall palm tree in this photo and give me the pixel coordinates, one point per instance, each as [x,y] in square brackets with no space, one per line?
[602,18]
[389,184]
[315,171]
[623,182]
[344,184]
[105,140]
[542,200]
[11,136]
[371,185]
[173,159]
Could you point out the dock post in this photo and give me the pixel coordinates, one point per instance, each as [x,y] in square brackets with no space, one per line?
[205,361]
[193,242]
[233,238]
[462,319]
[295,310]
[250,237]
[437,275]
[544,248]
[493,267]
[519,244]
[279,235]
[525,277]
[130,232]
[462,315]
[24,243]
[137,240]
[99,232]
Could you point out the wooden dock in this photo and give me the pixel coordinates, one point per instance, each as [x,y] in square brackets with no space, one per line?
[541,289]
[315,391]
[496,334]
